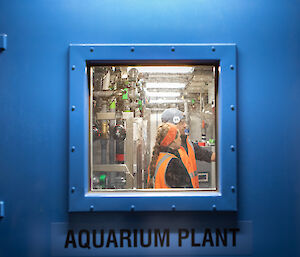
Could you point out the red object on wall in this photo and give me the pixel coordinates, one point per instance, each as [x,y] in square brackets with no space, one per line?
[120,157]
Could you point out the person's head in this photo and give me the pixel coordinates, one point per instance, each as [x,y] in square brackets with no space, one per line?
[167,136]
[176,117]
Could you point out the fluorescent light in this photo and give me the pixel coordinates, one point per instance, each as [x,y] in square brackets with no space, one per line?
[163,94]
[162,69]
[165,85]
[165,101]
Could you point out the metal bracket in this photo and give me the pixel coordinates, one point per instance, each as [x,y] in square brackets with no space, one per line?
[3,42]
[1,209]
[111,167]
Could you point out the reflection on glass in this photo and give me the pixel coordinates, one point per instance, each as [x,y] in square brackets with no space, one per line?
[152,127]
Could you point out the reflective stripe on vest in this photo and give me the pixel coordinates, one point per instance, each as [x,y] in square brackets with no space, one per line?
[161,168]
[191,153]
[189,161]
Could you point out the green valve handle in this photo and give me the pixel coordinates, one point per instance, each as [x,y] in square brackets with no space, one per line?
[102,178]
[125,94]
[140,103]
[112,105]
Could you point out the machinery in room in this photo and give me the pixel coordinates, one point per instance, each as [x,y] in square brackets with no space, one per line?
[126,103]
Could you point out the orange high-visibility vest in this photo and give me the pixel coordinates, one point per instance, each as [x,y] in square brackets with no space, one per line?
[189,161]
[160,170]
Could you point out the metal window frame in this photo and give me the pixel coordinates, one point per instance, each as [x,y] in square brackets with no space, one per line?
[225,199]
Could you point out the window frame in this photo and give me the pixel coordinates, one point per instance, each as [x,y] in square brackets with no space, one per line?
[224,199]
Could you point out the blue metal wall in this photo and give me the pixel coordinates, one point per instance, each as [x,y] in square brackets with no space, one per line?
[34,111]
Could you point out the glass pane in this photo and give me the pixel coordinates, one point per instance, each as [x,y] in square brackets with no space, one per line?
[152,127]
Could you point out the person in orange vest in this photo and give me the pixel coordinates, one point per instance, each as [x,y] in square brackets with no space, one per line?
[189,151]
[166,169]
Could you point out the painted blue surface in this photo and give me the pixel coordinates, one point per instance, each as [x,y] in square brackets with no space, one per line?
[2,212]
[81,199]
[3,42]
[34,111]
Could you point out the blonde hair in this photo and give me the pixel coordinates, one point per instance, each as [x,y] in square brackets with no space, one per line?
[162,131]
